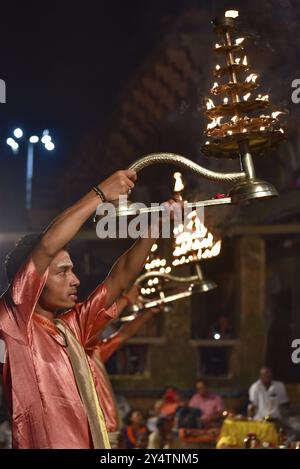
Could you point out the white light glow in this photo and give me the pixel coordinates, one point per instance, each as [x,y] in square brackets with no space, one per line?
[46,139]
[33,139]
[18,133]
[12,143]
[49,146]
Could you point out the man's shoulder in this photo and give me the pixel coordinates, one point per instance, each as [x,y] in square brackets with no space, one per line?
[255,385]
[68,315]
[278,384]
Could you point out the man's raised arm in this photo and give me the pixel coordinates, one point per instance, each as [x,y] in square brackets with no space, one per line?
[63,229]
[128,267]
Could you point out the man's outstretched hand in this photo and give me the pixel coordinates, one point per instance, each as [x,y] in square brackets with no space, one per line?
[173,210]
[118,184]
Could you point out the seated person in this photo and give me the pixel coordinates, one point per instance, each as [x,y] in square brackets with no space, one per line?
[188,417]
[171,400]
[162,438]
[154,414]
[210,404]
[134,433]
[268,397]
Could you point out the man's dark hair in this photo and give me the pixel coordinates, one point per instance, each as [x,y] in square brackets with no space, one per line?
[16,258]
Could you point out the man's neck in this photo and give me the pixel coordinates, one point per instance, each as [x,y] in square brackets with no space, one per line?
[43,312]
[267,385]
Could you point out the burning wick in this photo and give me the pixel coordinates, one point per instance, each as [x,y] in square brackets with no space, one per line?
[225,100]
[245,60]
[218,67]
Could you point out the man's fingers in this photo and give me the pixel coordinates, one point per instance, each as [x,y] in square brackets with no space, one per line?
[131,174]
[174,209]
[129,183]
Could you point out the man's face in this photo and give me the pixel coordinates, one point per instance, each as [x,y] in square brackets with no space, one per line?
[266,376]
[201,389]
[60,291]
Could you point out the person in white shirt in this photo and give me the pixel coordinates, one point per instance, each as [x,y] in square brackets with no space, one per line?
[268,397]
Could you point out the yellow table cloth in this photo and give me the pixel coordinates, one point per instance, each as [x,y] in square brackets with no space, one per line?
[234,431]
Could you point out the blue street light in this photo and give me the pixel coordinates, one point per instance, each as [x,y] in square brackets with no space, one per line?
[46,140]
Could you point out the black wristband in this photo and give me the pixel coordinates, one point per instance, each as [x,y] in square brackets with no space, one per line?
[99,193]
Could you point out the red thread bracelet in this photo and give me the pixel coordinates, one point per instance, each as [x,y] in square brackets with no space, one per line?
[129,302]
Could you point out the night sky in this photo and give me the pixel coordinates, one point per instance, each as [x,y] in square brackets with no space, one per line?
[65,63]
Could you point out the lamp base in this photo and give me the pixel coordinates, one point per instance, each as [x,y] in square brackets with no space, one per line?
[252,189]
[203,286]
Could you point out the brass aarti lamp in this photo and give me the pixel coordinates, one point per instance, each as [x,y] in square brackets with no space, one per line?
[238,125]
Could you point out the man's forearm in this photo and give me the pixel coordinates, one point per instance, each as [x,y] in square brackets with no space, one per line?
[131,328]
[66,226]
[135,259]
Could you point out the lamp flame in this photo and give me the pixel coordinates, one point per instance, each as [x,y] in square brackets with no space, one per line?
[276,114]
[245,62]
[179,186]
[209,104]
[239,41]
[265,97]
[246,96]
[214,123]
[231,13]
[251,78]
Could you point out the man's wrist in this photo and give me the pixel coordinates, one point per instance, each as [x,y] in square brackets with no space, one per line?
[127,299]
[100,193]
